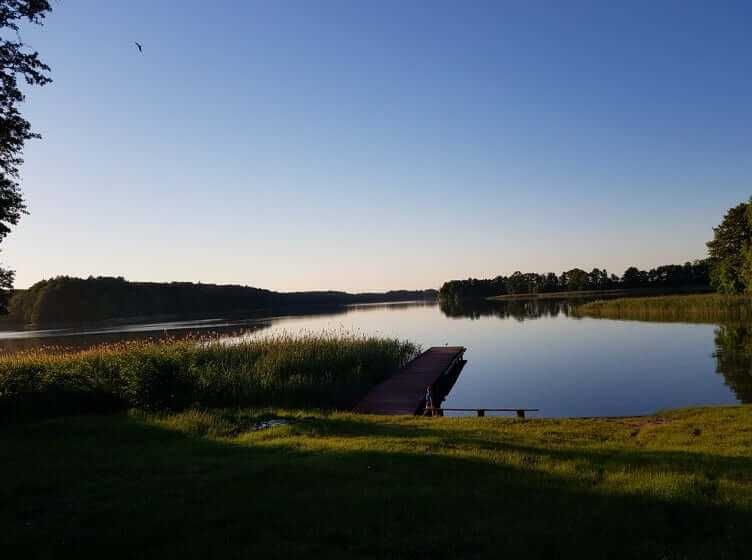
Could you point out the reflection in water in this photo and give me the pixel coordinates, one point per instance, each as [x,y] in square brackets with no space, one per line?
[105,332]
[77,339]
[522,354]
[84,335]
[734,359]
[443,386]
[733,343]
[519,310]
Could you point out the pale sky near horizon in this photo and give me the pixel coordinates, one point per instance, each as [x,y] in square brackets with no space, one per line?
[381,145]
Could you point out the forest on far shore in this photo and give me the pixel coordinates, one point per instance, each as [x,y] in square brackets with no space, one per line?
[672,276]
[726,270]
[65,299]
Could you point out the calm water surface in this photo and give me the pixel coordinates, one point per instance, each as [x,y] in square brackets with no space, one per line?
[519,354]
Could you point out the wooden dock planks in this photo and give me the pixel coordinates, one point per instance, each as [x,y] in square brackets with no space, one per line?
[404,392]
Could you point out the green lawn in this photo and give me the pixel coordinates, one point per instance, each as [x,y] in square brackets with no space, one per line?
[205,485]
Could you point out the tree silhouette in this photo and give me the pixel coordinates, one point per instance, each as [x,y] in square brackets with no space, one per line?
[17,61]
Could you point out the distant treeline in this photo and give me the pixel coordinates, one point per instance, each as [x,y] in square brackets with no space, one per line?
[66,299]
[690,274]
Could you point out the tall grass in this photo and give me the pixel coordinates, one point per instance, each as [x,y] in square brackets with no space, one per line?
[701,308]
[325,370]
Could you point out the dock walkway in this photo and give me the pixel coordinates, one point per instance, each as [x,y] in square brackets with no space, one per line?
[404,392]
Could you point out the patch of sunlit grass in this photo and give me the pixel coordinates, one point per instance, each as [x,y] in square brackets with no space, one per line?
[696,308]
[335,484]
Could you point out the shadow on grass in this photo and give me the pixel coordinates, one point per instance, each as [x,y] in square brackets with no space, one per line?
[694,462]
[116,486]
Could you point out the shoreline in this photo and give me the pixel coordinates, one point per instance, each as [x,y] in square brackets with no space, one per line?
[9,323]
[710,308]
[597,293]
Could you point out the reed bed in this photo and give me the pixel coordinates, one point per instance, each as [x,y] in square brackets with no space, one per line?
[308,370]
[698,308]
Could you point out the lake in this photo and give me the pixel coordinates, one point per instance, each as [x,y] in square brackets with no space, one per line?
[519,354]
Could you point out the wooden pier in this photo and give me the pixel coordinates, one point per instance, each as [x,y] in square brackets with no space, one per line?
[405,391]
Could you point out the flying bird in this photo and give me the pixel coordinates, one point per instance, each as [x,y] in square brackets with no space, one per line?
[140,48]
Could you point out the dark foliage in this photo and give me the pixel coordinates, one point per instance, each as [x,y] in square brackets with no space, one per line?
[691,274]
[519,310]
[66,299]
[730,251]
[734,359]
[17,62]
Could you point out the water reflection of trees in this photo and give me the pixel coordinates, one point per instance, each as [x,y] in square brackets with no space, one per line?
[733,354]
[85,335]
[519,310]
[733,343]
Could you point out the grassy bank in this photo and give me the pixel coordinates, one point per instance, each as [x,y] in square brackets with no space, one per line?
[204,485]
[329,370]
[562,295]
[600,293]
[701,308]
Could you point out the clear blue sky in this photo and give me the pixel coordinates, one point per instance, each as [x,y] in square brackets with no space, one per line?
[386,144]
